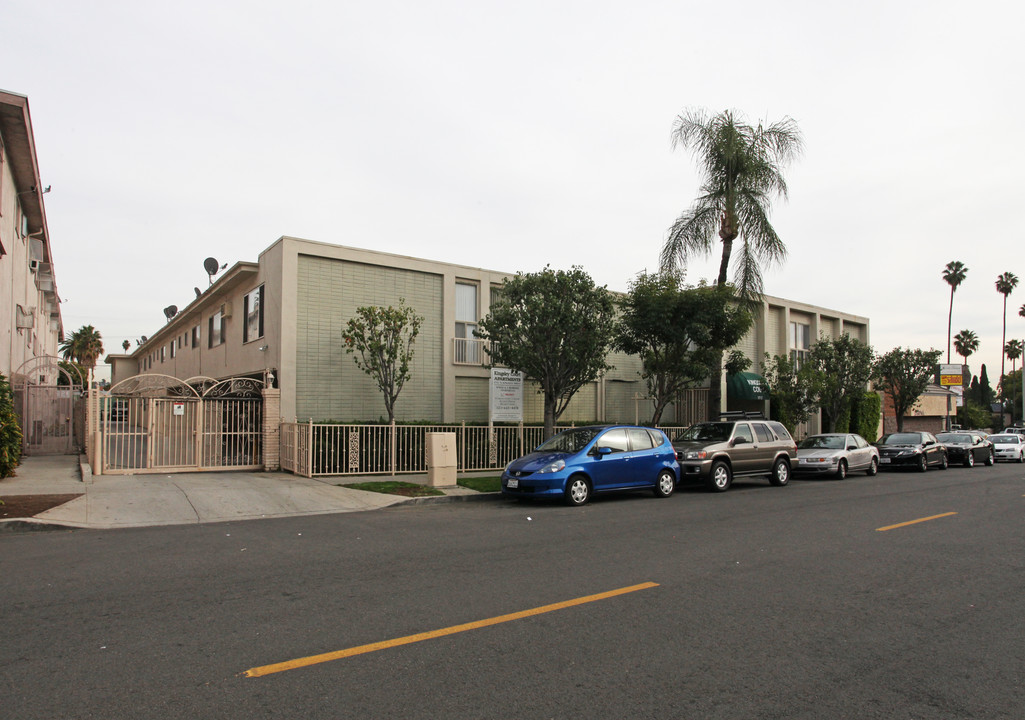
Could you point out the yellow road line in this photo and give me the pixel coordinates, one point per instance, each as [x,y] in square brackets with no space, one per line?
[409,639]
[912,522]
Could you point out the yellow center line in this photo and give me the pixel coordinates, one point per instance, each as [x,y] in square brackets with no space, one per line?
[419,637]
[912,522]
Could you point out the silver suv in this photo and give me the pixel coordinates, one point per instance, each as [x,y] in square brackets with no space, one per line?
[717,452]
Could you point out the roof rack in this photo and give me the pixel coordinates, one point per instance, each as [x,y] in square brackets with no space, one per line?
[742,415]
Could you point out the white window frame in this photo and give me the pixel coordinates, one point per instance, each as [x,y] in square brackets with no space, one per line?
[253,316]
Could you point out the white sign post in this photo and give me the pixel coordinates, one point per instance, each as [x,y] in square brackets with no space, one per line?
[506,397]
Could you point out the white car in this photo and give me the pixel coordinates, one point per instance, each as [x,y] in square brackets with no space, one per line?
[1008,446]
[836,454]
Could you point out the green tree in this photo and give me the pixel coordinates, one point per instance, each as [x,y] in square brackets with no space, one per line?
[678,332]
[1006,282]
[1013,350]
[842,368]
[986,394]
[903,375]
[84,346]
[556,327]
[972,415]
[954,274]
[1010,392]
[966,342]
[10,431]
[866,408]
[381,341]
[742,171]
[791,390]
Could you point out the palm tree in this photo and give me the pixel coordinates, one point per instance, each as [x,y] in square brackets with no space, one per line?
[126,345]
[965,343]
[1013,350]
[954,275]
[742,169]
[84,346]
[1006,283]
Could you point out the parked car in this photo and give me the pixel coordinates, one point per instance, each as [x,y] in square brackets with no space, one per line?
[917,450]
[1008,446]
[836,454]
[967,448]
[717,452]
[577,463]
[1014,429]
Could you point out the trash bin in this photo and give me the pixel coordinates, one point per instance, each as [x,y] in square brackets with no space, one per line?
[441,459]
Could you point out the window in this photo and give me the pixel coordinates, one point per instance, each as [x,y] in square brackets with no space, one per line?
[743,431]
[215,336]
[467,351]
[162,354]
[763,433]
[800,343]
[195,336]
[172,349]
[252,306]
[615,439]
[639,439]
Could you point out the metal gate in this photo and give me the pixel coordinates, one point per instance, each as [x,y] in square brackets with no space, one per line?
[156,423]
[45,394]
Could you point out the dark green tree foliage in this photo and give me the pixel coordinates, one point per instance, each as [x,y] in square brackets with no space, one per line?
[986,393]
[10,431]
[678,332]
[381,341]
[842,368]
[972,415]
[791,391]
[84,346]
[866,409]
[1010,391]
[556,327]
[903,375]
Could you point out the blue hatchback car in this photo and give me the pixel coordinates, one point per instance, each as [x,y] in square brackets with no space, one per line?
[577,463]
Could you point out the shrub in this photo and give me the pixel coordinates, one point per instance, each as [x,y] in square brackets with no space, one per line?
[10,431]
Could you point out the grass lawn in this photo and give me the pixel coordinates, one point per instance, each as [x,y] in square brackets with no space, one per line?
[394,487]
[482,484]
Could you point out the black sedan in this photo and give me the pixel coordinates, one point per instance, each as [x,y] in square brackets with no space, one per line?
[967,448]
[916,450]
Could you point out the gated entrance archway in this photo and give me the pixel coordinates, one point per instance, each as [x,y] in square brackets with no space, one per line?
[45,394]
[157,423]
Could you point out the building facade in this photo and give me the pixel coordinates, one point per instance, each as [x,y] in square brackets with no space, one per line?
[283,316]
[30,316]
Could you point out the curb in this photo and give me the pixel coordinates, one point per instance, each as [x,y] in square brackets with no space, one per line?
[432,499]
[32,525]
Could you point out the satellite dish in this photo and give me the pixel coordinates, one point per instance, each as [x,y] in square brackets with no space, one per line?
[198,291]
[211,265]
[143,340]
[170,311]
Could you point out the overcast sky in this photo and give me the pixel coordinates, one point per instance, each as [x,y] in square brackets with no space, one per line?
[514,135]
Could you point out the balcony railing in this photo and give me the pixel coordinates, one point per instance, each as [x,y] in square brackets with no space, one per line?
[469,351]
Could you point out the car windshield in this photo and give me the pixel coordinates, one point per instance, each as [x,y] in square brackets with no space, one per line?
[1004,439]
[902,439]
[716,432]
[822,442]
[954,438]
[570,441]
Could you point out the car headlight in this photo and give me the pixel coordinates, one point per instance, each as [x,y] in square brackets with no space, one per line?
[509,465]
[553,467]
[695,455]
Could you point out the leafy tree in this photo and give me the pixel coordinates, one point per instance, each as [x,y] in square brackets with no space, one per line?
[986,394]
[75,372]
[954,274]
[866,408]
[966,342]
[679,333]
[742,170]
[84,346]
[1010,391]
[1006,282]
[842,368]
[903,375]
[556,327]
[973,415]
[791,390]
[10,431]
[381,342]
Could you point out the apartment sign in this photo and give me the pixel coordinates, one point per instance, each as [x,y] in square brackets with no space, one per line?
[950,376]
[506,398]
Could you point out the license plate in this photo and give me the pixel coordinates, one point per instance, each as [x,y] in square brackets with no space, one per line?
[513,484]
[884,460]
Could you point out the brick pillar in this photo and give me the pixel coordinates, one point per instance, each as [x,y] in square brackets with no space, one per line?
[271,429]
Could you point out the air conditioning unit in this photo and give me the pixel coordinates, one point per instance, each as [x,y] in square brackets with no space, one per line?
[33,265]
[26,318]
[226,309]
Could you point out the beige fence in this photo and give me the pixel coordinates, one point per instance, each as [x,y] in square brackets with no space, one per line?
[310,449]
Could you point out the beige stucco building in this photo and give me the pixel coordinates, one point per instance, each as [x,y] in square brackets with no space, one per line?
[30,316]
[284,315]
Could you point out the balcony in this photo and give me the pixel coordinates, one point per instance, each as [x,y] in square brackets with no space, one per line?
[469,351]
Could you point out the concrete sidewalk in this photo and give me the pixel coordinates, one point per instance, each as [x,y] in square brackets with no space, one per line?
[118,501]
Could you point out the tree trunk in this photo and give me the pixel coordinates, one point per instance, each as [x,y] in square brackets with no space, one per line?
[728,233]
[550,402]
[950,316]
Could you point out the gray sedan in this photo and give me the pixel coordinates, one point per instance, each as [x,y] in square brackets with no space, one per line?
[836,454]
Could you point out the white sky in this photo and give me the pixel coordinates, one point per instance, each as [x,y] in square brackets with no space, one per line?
[513,135]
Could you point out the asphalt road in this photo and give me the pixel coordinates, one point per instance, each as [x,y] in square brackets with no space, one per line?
[765,603]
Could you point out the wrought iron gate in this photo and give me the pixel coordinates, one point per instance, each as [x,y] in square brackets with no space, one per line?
[44,397]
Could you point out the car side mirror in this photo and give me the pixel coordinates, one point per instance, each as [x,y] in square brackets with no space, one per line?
[852,447]
[604,451]
[739,441]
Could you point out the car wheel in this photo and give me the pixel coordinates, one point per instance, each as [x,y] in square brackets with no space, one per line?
[841,470]
[720,478]
[873,467]
[1021,456]
[991,460]
[578,490]
[923,464]
[665,484]
[944,462]
[970,459]
[780,473]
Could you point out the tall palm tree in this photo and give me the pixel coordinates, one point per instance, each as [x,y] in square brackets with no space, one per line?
[84,346]
[954,274]
[742,169]
[1006,283]
[966,342]
[1013,350]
